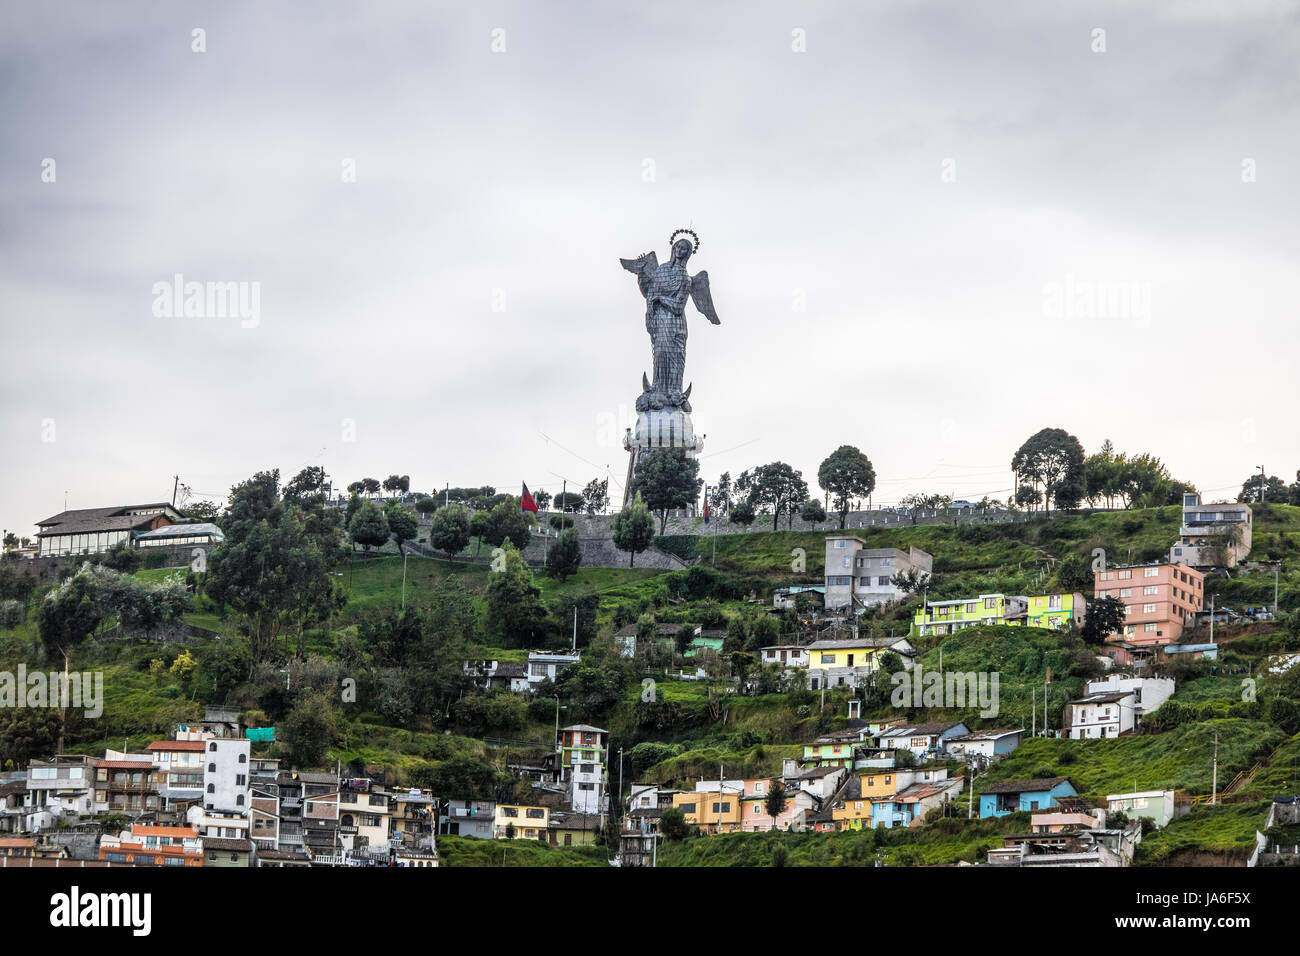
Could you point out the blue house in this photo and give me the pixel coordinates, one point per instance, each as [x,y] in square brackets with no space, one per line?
[1008,796]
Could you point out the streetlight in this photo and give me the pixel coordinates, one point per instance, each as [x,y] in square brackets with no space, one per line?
[405,555]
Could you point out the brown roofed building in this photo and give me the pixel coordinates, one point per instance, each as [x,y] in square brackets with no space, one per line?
[95,530]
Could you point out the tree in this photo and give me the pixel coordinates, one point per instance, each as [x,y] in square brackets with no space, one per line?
[10,541]
[569,501]
[507,521]
[515,610]
[450,530]
[1051,460]
[1103,474]
[275,563]
[742,513]
[846,474]
[1104,617]
[666,479]
[774,803]
[924,501]
[308,483]
[595,497]
[543,499]
[813,512]
[309,730]
[776,486]
[69,613]
[1259,488]
[672,824]
[1074,573]
[369,527]
[426,505]
[371,486]
[722,493]
[564,556]
[633,529]
[479,522]
[203,511]
[911,581]
[400,523]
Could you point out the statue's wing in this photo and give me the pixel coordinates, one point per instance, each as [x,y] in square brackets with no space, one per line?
[644,267]
[701,297]
[646,263]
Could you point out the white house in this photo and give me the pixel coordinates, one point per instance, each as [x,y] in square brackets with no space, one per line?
[787,655]
[1157,805]
[984,744]
[226,782]
[1148,692]
[1101,715]
[546,665]
[924,740]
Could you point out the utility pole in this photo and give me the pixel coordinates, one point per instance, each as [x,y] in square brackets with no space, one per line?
[1276,567]
[1212,597]
[1214,786]
[574,646]
[1261,484]
[175,484]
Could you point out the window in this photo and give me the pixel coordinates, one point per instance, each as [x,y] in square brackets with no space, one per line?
[882,580]
[990,603]
[212,768]
[688,808]
[1150,572]
[972,607]
[212,788]
[1151,589]
[1149,627]
[581,786]
[1125,575]
[722,807]
[1125,592]
[509,811]
[243,758]
[846,562]
[239,800]
[212,747]
[1054,602]
[1148,609]
[840,543]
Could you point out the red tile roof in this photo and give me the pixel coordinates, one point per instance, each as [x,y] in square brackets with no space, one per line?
[184,746]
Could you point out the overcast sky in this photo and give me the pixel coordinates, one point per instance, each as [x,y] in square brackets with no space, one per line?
[931,229]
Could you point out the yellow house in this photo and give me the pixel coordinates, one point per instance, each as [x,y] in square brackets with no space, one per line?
[851,805]
[711,811]
[530,823]
[879,784]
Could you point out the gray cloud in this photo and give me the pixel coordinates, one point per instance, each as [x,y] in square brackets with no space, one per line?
[812,176]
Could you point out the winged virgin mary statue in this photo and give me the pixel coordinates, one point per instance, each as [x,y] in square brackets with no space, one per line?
[666,287]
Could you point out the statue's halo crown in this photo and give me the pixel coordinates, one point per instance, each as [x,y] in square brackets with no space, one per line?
[685,232]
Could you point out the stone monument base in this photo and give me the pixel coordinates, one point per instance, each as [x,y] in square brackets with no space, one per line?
[658,428]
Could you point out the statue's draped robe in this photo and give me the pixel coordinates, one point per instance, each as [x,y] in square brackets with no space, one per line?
[665,320]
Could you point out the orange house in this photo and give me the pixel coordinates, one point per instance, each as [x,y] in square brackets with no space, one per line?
[1159,599]
[153,846]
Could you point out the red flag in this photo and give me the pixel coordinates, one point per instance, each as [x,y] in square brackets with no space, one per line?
[526,502]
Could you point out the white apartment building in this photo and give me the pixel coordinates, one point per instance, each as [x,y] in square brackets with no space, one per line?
[1212,535]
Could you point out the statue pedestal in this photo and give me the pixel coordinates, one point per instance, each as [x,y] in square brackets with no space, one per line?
[658,428]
